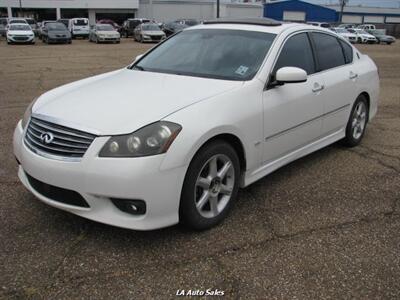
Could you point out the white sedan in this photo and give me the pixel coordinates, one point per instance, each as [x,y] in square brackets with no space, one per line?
[351,37]
[172,137]
[20,33]
[363,36]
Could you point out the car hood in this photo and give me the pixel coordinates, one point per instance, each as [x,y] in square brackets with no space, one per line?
[123,101]
[366,35]
[348,34]
[20,32]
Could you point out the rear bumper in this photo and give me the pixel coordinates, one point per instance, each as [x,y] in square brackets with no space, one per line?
[80,33]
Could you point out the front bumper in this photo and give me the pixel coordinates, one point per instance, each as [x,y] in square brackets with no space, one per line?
[55,39]
[21,39]
[99,179]
[153,38]
[108,39]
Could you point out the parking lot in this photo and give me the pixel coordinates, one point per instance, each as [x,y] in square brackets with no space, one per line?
[326,226]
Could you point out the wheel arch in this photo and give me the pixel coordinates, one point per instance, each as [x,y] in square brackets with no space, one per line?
[368,98]
[234,141]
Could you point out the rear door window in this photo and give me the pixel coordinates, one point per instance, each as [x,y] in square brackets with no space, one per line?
[297,52]
[328,51]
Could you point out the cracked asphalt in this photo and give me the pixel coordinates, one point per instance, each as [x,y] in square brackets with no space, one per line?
[326,226]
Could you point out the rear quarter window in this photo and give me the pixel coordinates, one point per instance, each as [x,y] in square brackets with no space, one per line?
[348,52]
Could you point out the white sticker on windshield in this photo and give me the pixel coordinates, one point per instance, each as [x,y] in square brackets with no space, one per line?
[241,70]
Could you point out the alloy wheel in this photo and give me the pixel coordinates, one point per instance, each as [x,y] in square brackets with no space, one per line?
[214,186]
[359,120]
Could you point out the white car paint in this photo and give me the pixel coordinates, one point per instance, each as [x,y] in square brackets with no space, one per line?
[275,126]
[15,35]
[351,37]
[364,36]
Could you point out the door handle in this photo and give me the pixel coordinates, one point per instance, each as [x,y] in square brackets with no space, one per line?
[353,75]
[318,87]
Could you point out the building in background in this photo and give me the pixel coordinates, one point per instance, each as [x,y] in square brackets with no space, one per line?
[301,11]
[120,10]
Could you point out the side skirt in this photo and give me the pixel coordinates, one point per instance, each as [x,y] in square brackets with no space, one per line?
[269,167]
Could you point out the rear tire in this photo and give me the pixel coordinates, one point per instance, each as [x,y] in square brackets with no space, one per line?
[357,123]
[210,187]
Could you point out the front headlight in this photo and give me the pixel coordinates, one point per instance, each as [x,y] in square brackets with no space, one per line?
[27,114]
[152,139]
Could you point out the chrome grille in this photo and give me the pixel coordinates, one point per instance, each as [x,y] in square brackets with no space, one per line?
[43,137]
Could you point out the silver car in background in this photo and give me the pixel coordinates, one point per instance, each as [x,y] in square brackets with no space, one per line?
[148,32]
[104,33]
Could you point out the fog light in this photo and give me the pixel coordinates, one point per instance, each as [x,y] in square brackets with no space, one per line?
[133,207]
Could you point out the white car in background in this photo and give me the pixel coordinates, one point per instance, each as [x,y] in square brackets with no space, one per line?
[351,37]
[79,27]
[172,137]
[363,36]
[20,33]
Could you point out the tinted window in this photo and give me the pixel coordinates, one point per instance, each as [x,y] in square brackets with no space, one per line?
[296,53]
[328,51]
[80,22]
[348,52]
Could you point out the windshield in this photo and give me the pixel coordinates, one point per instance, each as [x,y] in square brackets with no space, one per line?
[150,27]
[80,22]
[105,27]
[55,26]
[20,27]
[30,21]
[17,22]
[3,21]
[212,53]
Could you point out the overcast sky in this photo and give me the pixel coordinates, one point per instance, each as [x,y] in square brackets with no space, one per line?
[377,3]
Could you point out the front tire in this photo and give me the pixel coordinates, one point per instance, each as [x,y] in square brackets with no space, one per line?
[210,187]
[357,123]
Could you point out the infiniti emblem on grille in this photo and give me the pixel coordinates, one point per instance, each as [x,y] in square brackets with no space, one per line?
[46,137]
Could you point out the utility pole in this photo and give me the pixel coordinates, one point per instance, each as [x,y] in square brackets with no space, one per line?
[342,5]
[20,8]
[217,9]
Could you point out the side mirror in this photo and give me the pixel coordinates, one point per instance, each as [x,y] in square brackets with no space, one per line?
[287,75]
[291,75]
[138,57]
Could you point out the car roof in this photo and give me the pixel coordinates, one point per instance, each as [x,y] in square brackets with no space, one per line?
[244,21]
[256,24]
